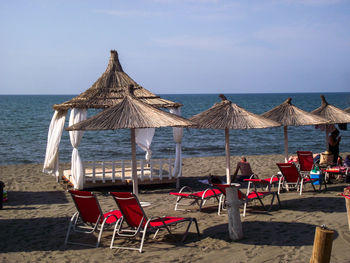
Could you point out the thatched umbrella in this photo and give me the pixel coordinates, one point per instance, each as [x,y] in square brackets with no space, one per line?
[288,114]
[111,88]
[132,114]
[333,114]
[227,115]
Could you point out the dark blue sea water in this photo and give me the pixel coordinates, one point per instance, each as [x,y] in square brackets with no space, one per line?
[24,122]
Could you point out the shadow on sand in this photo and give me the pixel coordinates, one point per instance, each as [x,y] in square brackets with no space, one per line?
[269,233]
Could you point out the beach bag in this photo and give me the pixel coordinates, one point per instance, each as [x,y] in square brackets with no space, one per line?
[326,158]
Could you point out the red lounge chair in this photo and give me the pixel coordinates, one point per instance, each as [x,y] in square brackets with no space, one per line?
[291,178]
[306,162]
[198,198]
[139,223]
[252,194]
[89,217]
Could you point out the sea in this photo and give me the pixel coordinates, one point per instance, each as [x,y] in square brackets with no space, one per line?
[25,119]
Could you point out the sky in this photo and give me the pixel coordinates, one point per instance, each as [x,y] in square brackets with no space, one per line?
[176,46]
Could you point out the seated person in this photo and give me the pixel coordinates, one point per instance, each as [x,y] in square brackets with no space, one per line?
[246,170]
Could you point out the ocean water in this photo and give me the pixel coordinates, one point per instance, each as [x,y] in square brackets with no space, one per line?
[24,122]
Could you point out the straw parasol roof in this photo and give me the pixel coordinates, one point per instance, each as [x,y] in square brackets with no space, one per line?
[331,113]
[111,88]
[289,115]
[131,113]
[227,115]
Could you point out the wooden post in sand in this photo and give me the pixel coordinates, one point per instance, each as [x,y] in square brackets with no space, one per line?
[347,204]
[234,217]
[322,245]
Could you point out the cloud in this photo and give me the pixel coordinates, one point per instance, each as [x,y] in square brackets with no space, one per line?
[314,2]
[129,13]
[203,43]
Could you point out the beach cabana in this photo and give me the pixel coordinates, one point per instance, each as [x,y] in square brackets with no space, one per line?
[108,90]
[131,114]
[333,114]
[288,114]
[226,115]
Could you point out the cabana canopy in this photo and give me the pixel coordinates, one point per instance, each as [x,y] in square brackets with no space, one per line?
[227,115]
[131,113]
[111,88]
[289,115]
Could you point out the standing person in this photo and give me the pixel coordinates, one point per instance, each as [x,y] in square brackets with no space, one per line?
[244,167]
[333,144]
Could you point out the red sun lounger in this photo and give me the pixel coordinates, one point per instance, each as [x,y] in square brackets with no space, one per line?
[198,198]
[252,194]
[134,220]
[89,217]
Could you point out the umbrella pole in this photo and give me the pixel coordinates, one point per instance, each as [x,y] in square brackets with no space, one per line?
[227,149]
[135,187]
[285,143]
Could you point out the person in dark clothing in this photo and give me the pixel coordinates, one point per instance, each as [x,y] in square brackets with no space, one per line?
[333,144]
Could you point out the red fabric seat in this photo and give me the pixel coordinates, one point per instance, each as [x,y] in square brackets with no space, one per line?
[137,222]
[252,194]
[198,198]
[89,217]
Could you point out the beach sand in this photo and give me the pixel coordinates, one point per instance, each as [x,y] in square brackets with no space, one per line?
[33,223]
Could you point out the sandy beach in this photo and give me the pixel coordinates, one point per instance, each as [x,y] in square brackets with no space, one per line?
[33,223]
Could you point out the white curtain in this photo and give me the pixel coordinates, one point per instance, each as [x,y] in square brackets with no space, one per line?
[53,142]
[77,169]
[144,139]
[177,134]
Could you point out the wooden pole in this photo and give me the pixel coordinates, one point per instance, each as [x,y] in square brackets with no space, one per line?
[347,204]
[227,149]
[322,245]
[135,186]
[285,128]
[234,217]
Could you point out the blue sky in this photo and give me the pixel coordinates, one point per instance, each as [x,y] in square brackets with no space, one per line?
[176,46]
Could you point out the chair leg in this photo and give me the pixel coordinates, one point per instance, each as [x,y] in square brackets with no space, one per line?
[74,218]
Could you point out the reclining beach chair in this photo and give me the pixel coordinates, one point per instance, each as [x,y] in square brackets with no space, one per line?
[306,162]
[89,217]
[291,178]
[198,198]
[138,223]
[251,195]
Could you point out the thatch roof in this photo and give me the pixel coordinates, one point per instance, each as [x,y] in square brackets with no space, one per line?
[289,115]
[226,114]
[131,113]
[331,113]
[111,88]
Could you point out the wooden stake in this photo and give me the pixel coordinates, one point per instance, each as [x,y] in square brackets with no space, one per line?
[133,163]
[234,217]
[227,149]
[285,129]
[347,204]
[322,245]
